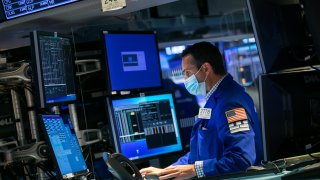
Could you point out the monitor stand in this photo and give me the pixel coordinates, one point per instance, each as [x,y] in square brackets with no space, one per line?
[154,162]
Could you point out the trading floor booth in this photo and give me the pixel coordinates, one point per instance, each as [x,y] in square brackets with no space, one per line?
[73,107]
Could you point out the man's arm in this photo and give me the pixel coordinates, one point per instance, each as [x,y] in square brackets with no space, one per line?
[237,135]
[182,161]
[238,156]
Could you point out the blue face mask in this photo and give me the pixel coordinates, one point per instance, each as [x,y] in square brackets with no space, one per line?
[194,87]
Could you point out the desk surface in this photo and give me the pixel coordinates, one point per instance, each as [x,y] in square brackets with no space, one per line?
[296,167]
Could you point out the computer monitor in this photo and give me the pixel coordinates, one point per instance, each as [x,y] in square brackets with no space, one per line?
[290,113]
[131,61]
[144,126]
[282,34]
[64,146]
[16,8]
[52,68]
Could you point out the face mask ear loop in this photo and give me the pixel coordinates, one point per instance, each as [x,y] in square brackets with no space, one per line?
[198,70]
[205,78]
[206,75]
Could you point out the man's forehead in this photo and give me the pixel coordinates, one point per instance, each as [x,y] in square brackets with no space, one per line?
[188,58]
[188,62]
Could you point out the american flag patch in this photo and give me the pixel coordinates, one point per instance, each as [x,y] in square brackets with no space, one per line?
[236,114]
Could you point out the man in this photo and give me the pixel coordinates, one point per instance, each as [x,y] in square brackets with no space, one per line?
[226,137]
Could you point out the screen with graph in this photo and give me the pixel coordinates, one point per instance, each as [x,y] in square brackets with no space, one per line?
[53,68]
[15,8]
[144,126]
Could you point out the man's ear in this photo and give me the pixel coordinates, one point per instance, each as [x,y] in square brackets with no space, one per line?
[206,67]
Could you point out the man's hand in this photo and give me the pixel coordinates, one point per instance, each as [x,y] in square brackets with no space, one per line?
[150,170]
[178,172]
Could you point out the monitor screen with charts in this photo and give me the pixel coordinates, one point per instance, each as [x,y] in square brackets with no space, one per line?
[64,145]
[144,126]
[16,8]
[53,68]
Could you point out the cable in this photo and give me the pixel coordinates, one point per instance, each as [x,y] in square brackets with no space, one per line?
[29,89]
[86,176]
[27,170]
[279,165]
[301,59]
[43,168]
[314,157]
[308,148]
[314,68]
[86,158]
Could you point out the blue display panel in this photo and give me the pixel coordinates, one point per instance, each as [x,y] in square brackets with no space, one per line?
[64,145]
[145,126]
[17,8]
[132,61]
[53,64]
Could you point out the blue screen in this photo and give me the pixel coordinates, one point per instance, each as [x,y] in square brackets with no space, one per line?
[133,61]
[64,144]
[146,126]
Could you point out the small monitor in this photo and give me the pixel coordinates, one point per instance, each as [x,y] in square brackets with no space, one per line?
[53,68]
[290,114]
[16,8]
[64,146]
[283,38]
[144,126]
[132,61]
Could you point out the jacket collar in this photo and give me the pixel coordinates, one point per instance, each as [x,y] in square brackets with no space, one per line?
[224,83]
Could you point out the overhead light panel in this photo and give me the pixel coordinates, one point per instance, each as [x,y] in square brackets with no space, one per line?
[111,5]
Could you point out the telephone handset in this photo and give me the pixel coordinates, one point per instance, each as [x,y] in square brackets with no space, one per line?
[121,167]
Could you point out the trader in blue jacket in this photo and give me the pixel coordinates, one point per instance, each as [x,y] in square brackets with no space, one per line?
[226,137]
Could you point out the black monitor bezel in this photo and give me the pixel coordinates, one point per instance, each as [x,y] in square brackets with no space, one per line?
[3,17]
[2,14]
[113,126]
[37,72]
[279,111]
[276,51]
[105,63]
[54,158]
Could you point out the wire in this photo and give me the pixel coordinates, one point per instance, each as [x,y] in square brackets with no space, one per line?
[43,168]
[314,157]
[308,148]
[29,89]
[87,156]
[27,170]
[85,148]
[86,175]
[279,165]
[314,68]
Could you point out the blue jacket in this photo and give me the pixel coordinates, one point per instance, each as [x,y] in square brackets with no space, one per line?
[223,145]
